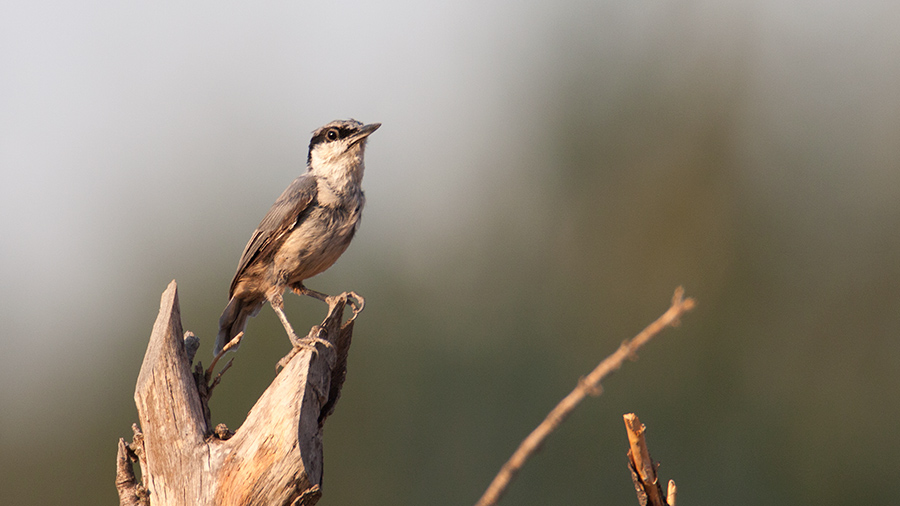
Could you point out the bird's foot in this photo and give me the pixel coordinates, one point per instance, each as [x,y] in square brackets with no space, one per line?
[316,336]
[356,302]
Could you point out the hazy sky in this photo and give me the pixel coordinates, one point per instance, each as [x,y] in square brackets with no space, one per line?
[137,136]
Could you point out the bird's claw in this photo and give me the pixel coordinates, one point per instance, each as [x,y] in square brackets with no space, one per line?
[309,342]
[305,343]
[357,303]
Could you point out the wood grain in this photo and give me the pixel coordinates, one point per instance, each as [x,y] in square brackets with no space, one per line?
[274,458]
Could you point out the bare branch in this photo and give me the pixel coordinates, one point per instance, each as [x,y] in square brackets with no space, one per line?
[236,340]
[643,470]
[588,385]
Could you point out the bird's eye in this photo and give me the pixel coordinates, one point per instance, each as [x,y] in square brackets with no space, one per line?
[331,135]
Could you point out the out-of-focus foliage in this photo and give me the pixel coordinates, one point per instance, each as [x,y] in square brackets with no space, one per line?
[546,176]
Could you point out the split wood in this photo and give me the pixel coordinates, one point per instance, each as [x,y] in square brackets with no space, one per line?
[274,458]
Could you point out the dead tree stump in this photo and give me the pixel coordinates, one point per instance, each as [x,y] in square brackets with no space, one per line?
[274,458]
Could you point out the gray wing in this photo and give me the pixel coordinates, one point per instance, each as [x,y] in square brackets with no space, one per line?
[281,218]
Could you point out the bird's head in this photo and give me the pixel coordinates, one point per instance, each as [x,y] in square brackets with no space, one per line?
[336,150]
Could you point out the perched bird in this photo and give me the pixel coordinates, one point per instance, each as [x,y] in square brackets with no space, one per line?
[306,230]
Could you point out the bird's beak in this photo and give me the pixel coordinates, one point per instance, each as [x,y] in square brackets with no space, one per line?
[364,132]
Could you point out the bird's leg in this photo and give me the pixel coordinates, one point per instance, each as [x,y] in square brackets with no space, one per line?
[299,289]
[357,303]
[277,303]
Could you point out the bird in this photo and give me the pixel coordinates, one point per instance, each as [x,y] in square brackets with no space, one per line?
[305,231]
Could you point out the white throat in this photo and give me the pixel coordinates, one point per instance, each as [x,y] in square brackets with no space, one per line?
[339,166]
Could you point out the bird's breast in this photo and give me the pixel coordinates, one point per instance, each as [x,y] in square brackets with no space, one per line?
[316,241]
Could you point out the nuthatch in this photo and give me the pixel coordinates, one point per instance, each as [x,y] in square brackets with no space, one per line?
[306,230]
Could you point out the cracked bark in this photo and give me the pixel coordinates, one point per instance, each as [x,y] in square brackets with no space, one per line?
[274,458]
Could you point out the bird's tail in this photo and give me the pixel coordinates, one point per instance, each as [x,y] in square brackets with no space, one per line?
[233,321]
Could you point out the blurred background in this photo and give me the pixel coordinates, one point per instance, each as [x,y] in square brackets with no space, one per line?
[546,175]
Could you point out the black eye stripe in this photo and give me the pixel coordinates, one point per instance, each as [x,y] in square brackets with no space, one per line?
[332,134]
[343,130]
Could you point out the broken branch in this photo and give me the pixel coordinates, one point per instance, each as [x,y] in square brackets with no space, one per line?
[588,385]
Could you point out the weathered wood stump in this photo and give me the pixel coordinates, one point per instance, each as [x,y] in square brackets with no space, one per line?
[274,458]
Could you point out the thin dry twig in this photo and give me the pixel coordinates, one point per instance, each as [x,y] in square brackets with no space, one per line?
[643,470]
[235,341]
[588,385]
[219,376]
